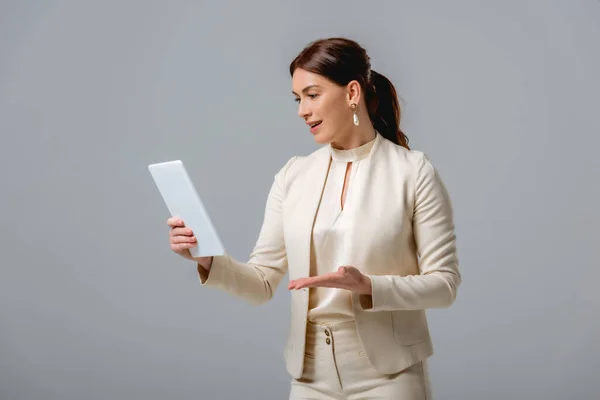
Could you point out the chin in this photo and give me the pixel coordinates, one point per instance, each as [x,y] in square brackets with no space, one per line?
[322,138]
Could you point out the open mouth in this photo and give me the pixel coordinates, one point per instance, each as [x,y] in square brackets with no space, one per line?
[314,125]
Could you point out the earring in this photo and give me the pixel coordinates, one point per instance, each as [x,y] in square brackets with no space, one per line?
[354,114]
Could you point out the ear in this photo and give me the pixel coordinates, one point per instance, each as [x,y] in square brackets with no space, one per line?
[353,92]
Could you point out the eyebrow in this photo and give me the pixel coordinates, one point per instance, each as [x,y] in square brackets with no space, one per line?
[306,89]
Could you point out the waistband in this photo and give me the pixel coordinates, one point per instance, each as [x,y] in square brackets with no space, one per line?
[333,327]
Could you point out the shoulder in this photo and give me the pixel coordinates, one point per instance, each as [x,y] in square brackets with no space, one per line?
[417,173]
[295,165]
[411,162]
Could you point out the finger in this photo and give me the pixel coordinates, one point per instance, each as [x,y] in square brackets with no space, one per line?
[183,239]
[175,222]
[293,284]
[327,284]
[182,246]
[333,276]
[181,232]
[326,280]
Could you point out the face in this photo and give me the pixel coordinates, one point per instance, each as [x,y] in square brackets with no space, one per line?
[323,105]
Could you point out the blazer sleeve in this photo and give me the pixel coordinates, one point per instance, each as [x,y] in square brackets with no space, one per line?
[256,280]
[435,238]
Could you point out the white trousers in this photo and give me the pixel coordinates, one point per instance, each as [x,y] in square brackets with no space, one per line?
[336,367]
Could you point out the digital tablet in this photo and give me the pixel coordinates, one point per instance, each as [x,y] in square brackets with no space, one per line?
[182,200]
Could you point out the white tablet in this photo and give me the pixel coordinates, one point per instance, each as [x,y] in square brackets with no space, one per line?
[183,201]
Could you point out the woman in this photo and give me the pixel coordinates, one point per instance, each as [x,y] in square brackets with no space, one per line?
[364,223]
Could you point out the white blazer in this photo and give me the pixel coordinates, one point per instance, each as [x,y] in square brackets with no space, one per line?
[403,239]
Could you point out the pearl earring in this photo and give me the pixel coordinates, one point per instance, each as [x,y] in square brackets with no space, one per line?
[354,114]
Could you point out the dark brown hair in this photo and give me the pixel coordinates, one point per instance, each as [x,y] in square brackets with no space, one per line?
[342,60]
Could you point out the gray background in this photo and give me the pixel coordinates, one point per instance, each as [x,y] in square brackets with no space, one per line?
[503,96]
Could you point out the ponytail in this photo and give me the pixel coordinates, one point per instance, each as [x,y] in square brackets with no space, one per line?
[384,109]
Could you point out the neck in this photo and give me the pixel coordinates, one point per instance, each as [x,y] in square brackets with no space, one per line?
[356,136]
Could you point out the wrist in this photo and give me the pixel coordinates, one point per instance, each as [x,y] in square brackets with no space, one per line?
[367,288]
[204,262]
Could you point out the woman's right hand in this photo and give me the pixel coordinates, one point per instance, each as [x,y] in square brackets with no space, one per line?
[182,239]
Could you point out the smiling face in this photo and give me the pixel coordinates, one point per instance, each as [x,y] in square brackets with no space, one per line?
[323,105]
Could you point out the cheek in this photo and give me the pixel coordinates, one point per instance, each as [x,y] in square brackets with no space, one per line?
[333,112]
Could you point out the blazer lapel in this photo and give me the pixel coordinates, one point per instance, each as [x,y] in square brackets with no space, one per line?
[313,185]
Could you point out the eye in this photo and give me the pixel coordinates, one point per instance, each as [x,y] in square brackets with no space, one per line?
[297,100]
[313,96]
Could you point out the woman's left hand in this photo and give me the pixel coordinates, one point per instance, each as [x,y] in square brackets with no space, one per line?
[346,277]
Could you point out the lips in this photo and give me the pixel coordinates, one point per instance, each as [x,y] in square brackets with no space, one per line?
[314,126]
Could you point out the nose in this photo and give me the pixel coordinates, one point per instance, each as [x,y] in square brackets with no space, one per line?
[303,111]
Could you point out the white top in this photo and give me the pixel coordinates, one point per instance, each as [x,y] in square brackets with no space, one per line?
[328,252]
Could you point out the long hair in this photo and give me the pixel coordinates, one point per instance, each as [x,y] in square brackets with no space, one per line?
[342,60]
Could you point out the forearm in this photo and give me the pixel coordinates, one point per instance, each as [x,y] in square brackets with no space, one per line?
[416,292]
[250,282]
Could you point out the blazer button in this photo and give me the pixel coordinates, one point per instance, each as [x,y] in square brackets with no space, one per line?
[327,341]
[327,332]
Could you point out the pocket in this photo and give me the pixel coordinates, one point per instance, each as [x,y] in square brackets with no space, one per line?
[310,350]
[410,327]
